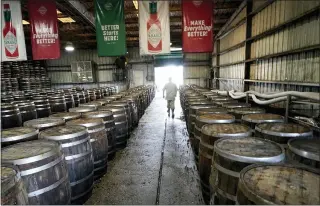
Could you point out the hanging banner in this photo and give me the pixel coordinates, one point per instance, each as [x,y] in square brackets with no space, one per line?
[110,27]
[154,27]
[197,26]
[44,29]
[13,46]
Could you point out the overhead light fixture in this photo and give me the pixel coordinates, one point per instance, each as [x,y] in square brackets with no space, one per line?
[66,20]
[175,49]
[69,46]
[24,22]
[135,3]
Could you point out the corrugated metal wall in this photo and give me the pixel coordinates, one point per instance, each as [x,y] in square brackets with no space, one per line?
[270,46]
[196,69]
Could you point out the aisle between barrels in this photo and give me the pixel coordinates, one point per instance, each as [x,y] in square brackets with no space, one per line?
[157,166]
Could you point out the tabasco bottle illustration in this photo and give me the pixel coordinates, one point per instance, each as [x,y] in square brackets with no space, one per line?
[9,35]
[154,30]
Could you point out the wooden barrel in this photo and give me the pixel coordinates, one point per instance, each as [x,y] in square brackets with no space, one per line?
[58,103]
[133,104]
[108,120]
[99,142]
[10,116]
[188,112]
[278,185]
[121,124]
[67,116]
[27,110]
[42,106]
[127,112]
[231,155]
[201,120]
[239,112]
[252,119]
[13,191]
[44,123]
[18,134]
[76,99]
[218,110]
[43,170]
[305,152]
[70,103]
[211,133]
[230,106]
[100,102]
[192,118]
[93,104]
[282,132]
[83,109]
[75,142]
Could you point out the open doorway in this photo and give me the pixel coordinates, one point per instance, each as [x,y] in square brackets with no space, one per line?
[162,75]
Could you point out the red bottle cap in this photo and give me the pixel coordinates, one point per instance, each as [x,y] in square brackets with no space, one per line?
[6,6]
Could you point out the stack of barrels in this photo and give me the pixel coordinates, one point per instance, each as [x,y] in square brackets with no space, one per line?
[245,155]
[55,156]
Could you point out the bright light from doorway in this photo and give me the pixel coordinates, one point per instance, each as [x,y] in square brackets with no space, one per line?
[162,75]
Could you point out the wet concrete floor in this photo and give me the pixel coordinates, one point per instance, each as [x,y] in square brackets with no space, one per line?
[157,166]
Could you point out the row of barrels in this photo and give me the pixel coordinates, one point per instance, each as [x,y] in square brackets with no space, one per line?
[56,159]
[20,107]
[247,156]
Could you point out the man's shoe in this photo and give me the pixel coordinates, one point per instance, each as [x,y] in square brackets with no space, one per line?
[172,116]
[168,114]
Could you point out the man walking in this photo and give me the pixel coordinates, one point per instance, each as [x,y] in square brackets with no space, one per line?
[171,93]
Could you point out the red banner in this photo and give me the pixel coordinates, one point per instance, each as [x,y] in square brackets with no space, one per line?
[197,25]
[44,29]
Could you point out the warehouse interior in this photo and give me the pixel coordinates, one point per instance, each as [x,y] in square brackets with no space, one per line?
[243,126]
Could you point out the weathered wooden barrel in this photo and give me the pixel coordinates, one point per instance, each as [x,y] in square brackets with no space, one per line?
[98,94]
[212,118]
[130,110]
[44,123]
[92,95]
[110,128]
[75,142]
[218,110]
[252,119]
[13,191]
[231,155]
[10,116]
[57,103]
[100,102]
[121,123]
[83,109]
[82,98]
[93,104]
[132,101]
[99,142]
[278,185]
[18,134]
[27,109]
[239,112]
[42,106]
[231,106]
[127,111]
[193,100]
[211,133]
[188,112]
[282,132]
[67,116]
[70,103]
[76,99]
[220,100]
[305,152]
[43,170]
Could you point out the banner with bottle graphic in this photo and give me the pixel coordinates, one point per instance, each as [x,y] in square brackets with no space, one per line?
[44,29]
[13,46]
[154,27]
[110,27]
[197,26]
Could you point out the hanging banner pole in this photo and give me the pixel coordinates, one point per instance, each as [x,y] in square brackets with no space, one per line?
[44,29]
[154,27]
[110,27]
[13,46]
[197,26]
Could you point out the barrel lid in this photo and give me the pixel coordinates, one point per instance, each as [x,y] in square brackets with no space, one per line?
[201,102]
[67,115]
[100,113]
[30,151]
[226,130]
[200,106]
[118,104]
[223,102]
[262,118]
[90,104]
[308,148]
[111,108]
[284,129]
[249,150]
[220,98]
[280,184]
[218,110]
[8,174]
[87,122]
[101,102]
[236,105]
[44,122]
[18,133]
[248,110]
[216,118]
[82,109]
[63,132]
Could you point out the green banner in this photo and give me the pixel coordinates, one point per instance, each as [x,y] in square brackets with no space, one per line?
[110,27]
